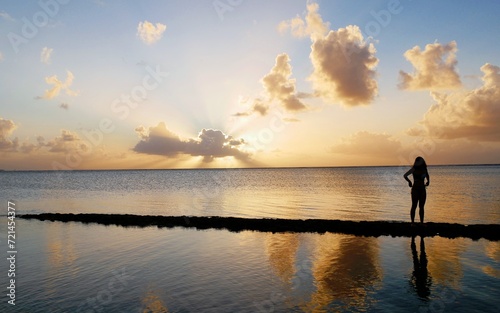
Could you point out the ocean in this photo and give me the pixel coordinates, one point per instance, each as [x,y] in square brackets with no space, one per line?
[73,267]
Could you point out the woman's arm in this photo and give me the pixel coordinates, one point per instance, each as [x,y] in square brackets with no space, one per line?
[410,171]
[428,179]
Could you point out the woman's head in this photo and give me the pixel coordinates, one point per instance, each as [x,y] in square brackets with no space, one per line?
[420,163]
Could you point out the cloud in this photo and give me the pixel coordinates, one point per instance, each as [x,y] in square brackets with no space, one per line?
[45,55]
[343,62]
[434,68]
[58,86]
[1,56]
[66,142]
[28,147]
[464,152]
[372,148]
[258,106]
[471,114]
[210,144]
[371,145]
[149,33]
[344,67]
[280,86]
[312,26]
[7,127]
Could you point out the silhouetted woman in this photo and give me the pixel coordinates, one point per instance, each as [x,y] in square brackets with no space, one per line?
[418,192]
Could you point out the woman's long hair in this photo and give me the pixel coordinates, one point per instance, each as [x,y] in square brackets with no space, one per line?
[419,164]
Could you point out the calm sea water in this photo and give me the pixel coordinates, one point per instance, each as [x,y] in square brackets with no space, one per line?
[71,267]
[457,194]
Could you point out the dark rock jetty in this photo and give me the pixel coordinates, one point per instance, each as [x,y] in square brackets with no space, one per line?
[276,225]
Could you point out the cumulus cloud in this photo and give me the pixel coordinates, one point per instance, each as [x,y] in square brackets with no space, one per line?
[258,106]
[344,67]
[434,68]
[369,144]
[312,26]
[210,144]
[66,142]
[280,86]
[470,114]
[343,61]
[149,33]
[45,55]
[58,85]
[28,147]
[6,129]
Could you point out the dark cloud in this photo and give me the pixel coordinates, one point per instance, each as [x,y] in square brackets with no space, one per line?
[210,144]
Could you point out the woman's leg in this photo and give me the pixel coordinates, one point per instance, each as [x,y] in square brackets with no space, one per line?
[421,204]
[414,201]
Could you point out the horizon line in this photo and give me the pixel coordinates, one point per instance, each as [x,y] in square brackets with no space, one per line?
[239,168]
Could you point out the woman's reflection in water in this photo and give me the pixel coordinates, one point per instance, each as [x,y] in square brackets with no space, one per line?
[420,279]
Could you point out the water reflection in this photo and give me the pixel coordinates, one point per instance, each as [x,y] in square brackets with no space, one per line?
[420,279]
[61,256]
[281,250]
[493,252]
[152,303]
[445,258]
[346,270]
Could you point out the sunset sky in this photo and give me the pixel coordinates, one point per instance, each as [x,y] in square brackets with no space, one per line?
[232,83]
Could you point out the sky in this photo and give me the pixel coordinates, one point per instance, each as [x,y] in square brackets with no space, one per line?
[108,84]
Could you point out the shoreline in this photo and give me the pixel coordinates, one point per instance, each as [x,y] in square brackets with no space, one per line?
[277,225]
